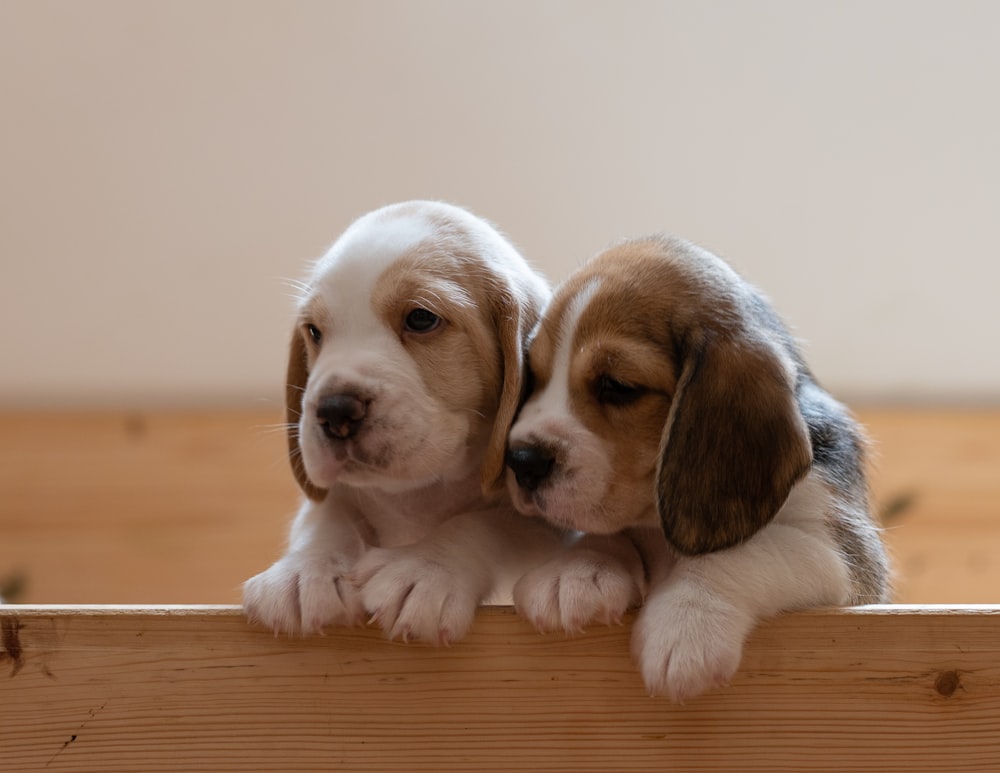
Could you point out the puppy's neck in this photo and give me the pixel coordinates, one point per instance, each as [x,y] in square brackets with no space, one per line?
[402,517]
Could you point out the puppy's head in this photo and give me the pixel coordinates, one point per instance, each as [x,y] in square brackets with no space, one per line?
[661,390]
[405,364]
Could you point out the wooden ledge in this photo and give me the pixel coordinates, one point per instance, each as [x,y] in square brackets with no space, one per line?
[891,688]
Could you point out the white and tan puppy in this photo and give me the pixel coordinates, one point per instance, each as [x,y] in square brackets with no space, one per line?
[670,410]
[404,373]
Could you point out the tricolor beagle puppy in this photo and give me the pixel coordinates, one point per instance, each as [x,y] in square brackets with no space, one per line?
[670,415]
[404,373]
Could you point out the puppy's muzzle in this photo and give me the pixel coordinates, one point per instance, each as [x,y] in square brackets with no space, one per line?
[531,465]
[340,416]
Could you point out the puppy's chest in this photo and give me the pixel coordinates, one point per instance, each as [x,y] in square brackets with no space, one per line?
[400,521]
[391,530]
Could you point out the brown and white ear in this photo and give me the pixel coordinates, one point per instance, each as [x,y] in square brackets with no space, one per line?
[295,387]
[733,446]
[514,318]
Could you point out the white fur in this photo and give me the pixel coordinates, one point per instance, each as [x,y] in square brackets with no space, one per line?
[596,579]
[689,636]
[404,533]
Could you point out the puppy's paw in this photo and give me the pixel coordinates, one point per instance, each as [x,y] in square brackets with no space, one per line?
[302,594]
[413,596]
[576,589]
[686,643]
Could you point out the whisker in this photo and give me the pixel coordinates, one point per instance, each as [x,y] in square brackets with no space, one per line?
[426,303]
[299,289]
[451,295]
[274,429]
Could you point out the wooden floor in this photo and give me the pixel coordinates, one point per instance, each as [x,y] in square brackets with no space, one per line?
[180,508]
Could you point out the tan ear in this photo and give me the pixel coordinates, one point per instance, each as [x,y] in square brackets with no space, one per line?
[514,319]
[733,446]
[295,387]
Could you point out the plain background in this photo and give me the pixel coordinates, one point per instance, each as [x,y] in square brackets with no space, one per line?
[165,166]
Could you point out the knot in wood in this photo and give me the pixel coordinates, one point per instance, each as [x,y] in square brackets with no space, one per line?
[947,682]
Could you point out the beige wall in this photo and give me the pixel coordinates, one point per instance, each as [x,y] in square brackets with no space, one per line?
[164,164]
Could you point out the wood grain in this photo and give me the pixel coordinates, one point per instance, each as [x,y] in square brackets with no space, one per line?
[155,507]
[945,464]
[146,689]
[182,507]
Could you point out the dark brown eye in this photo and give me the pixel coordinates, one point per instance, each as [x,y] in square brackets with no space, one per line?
[611,391]
[421,321]
[315,334]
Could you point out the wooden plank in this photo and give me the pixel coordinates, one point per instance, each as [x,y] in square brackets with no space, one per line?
[178,689]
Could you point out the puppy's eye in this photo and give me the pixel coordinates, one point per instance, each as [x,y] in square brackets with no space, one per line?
[421,321]
[611,391]
[315,334]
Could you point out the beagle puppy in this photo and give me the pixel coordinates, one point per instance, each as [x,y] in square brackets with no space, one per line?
[670,415]
[404,373]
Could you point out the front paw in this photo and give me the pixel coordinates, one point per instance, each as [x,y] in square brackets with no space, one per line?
[687,642]
[302,594]
[577,589]
[413,596]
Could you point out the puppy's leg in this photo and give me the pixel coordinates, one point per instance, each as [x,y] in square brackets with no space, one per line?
[596,579]
[307,589]
[689,636]
[430,590]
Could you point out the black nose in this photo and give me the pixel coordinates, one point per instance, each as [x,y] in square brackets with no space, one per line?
[341,415]
[531,464]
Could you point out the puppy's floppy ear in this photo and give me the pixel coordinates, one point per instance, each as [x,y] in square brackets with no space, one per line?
[295,387]
[514,317]
[734,443]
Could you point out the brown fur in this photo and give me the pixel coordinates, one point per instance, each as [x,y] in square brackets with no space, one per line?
[295,387]
[717,427]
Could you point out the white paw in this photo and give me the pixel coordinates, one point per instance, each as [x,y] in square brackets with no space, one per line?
[576,589]
[302,594]
[413,596]
[687,642]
